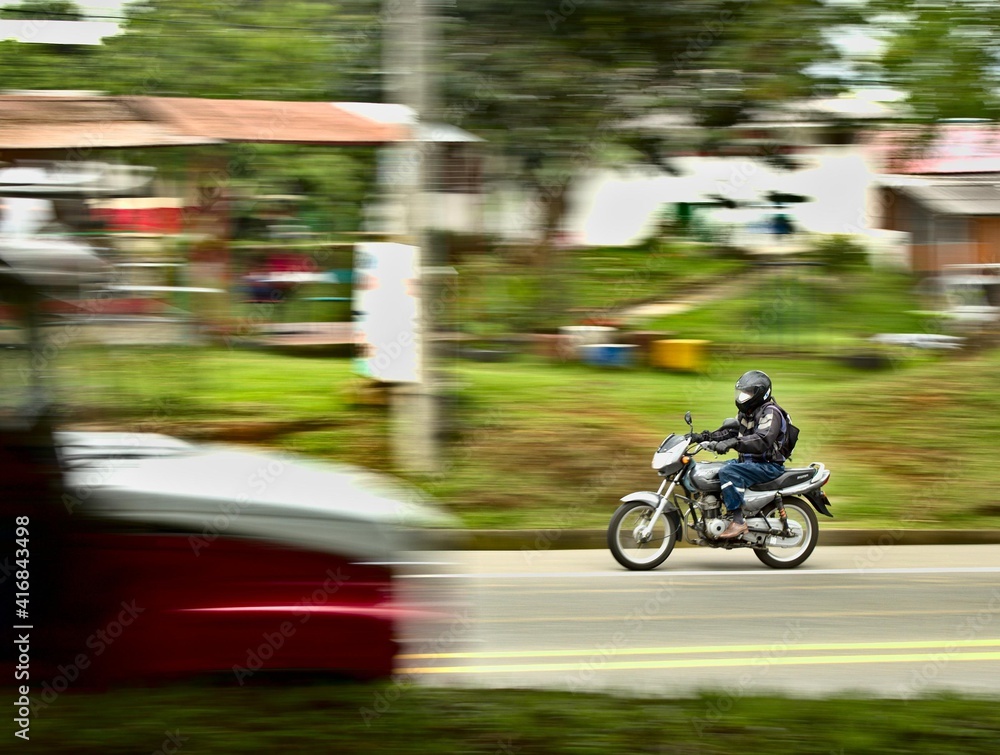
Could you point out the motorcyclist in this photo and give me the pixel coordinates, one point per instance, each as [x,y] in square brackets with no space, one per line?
[758,439]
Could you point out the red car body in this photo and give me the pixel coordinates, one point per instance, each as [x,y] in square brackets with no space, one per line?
[152,572]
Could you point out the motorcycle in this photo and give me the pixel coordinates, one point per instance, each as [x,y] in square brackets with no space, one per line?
[782,527]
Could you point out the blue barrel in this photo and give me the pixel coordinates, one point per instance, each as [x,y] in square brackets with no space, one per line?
[609,354]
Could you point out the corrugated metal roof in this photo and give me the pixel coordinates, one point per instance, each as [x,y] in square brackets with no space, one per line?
[35,122]
[90,121]
[270,121]
[957,199]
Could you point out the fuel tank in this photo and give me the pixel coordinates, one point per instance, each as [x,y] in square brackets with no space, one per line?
[704,477]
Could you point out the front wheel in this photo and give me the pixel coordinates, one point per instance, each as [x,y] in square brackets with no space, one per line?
[627,543]
[799,513]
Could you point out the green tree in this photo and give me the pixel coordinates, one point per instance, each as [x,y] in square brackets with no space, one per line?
[28,65]
[54,10]
[945,55]
[549,84]
[251,49]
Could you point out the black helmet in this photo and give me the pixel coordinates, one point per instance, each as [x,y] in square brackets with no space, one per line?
[752,389]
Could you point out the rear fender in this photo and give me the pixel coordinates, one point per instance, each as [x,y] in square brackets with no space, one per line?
[820,502]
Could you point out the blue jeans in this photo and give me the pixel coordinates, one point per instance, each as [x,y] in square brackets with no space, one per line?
[737,476]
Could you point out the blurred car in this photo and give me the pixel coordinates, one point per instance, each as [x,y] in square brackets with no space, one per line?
[235,560]
[139,556]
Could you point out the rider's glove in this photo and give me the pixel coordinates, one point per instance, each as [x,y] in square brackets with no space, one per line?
[700,437]
[723,446]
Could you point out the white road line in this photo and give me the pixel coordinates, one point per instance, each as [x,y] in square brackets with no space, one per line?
[773,573]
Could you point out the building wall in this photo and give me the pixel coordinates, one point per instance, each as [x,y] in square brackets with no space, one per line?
[934,258]
[987,236]
[937,241]
[888,214]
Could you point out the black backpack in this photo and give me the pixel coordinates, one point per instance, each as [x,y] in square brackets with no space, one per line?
[790,435]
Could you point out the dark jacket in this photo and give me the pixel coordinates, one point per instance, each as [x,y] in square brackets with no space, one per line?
[759,435]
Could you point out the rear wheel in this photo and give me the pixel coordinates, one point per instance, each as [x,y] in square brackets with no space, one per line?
[800,513]
[627,543]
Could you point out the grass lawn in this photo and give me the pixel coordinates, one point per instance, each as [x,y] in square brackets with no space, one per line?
[610,278]
[564,443]
[387,718]
[496,295]
[792,308]
[555,445]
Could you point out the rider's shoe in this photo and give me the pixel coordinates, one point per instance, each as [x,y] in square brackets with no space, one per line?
[734,530]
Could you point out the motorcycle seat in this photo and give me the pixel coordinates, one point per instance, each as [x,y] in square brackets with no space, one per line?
[789,478]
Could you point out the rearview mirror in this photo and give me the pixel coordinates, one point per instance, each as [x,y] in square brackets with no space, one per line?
[687,418]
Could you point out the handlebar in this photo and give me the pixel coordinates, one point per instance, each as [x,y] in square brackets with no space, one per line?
[705,445]
[698,447]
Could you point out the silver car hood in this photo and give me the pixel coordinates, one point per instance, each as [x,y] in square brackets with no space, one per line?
[212,491]
[53,262]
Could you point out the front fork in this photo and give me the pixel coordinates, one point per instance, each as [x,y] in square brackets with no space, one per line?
[647,531]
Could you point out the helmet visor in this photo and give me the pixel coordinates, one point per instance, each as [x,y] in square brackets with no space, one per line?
[743,396]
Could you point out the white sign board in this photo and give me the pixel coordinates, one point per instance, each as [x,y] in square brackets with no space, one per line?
[386,308]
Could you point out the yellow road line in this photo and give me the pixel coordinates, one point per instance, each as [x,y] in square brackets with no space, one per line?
[733,663]
[701,649]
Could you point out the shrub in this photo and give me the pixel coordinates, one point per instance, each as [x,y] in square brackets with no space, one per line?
[839,252]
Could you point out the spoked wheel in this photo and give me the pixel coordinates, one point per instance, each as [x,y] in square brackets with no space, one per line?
[800,516]
[627,543]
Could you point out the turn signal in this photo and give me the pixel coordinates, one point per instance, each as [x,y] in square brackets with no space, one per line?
[685,459]
[826,480]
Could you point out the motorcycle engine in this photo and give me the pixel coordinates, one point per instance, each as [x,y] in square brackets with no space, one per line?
[709,504]
[711,507]
[715,527]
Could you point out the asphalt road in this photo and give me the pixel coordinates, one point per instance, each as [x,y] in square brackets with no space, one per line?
[895,621]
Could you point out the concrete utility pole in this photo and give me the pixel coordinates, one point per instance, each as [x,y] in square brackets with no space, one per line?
[408,44]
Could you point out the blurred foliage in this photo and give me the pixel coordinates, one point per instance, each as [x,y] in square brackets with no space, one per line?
[807,308]
[330,184]
[606,61]
[403,717]
[188,48]
[53,10]
[24,65]
[838,253]
[264,49]
[607,280]
[602,283]
[944,55]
